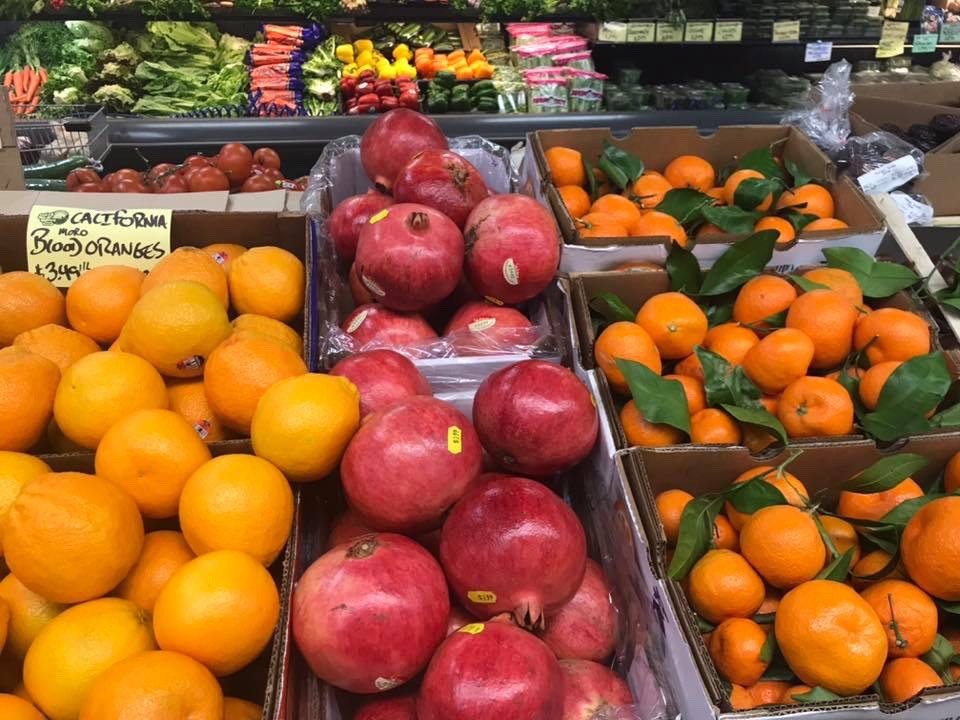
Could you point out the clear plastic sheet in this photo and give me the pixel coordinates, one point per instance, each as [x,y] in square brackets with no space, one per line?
[866,153]
[826,118]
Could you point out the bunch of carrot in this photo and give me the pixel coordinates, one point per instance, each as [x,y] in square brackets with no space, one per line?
[24,88]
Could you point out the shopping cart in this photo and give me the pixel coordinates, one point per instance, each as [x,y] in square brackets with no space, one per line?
[56,132]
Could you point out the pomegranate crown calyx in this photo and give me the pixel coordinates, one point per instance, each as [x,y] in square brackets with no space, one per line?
[418,220]
[364,547]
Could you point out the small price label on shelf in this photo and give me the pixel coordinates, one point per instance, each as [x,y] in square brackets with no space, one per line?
[728,31]
[818,52]
[873,11]
[893,38]
[698,32]
[641,32]
[613,32]
[925,43]
[950,34]
[669,33]
[786,31]
[63,243]
[889,176]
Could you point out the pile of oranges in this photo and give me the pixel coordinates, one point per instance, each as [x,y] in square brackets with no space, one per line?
[633,212]
[770,586]
[790,344]
[135,585]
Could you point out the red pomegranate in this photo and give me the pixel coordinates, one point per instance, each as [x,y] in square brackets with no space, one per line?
[480,326]
[585,628]
[375,325]
[360,294]
[430,541]
[348,218]
[458,618]
[392,141]
[408,464]
[443,180]
[383,377]
[398,708]
[346,526]
[368,615]
[535,418]
[411,258]
[492,671]
[511,545]
[513,249]
[592,691]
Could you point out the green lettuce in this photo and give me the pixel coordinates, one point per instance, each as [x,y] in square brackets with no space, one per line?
[183,37]
[114,97]
[122,53]
[90,30]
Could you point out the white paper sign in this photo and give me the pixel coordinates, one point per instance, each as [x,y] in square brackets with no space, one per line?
[890,176]
[818,52]
[916,213]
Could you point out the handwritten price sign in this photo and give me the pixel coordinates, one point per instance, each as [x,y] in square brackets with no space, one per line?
[63,243]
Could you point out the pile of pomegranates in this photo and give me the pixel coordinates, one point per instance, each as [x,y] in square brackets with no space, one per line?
[505,617]
[430,239]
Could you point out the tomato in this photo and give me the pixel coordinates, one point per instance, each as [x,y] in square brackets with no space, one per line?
[97,187]
[258,183]
[107,180]
[272,173]
[236,162]
[78,177]
[130,186]
[126,174]
[208,179]
[199,160]
[268,157]
[173,184]
[163,170]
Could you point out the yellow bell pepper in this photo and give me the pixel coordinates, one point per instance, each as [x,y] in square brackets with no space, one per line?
[362,68]
[363,44]
[345,54]
[404,69]
[365,58]
[387,73]
[401,51]
[350,70]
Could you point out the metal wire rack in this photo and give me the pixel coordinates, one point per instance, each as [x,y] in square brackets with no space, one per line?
[55,132]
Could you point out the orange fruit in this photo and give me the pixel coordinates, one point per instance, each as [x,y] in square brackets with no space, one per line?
[101,299]
[843,536]
[71,537]
[693,390]
[725,535]
[29,614]
[783,544]
[193,264]
[237,502]
[149,685]
[237,709]
[722,585]
[951,474]
[790,694]
[27,301]
[15,708]
[815,406]
[189,400]
[658,224]
[892,334]
[268,281]
[566,166]
[268,327]
[789,485]
[690,171]
[28,386]
[903,678]
[762,297]
[873,506]
[176,326]
[779,359]
[303,424]
[733,182]
[930,548]
[767,692]
[575,199]
[730,341]
[839,280]
[690,367]
[78,645]
[56,343]
[675,322]
[240,371]
[783,228]
[163,553]
[600,225]
[909,615]
[618,207]
[714,427]
[150,454]
[873,380]
[100,389]
[670,505]
[224,253]
[718,195]
[708,229]
[627,341]
[808,199]
[220,609]
[827,318]
[825,224]
[831,637]
[870,564]
[641,433]
[16,470]
[735,648]
[771,601]
[649,190]
[739,698]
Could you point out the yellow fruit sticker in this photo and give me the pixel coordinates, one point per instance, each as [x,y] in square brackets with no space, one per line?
[372,286]
[472,629]
[495,301]
[454,440]
[357,322]
[511,273]
[378,217]
[481,324]
[482,597]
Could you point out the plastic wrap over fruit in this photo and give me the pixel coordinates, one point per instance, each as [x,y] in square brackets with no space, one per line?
[826,118]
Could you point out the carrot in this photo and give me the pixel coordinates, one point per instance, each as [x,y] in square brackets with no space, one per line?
[33,105]
[18,82]
[27,75]
[43,76]
[8,79]
[34,86]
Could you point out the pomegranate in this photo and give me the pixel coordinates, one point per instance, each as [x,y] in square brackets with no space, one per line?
[411,258]
[535,418]
[491,670]
[585,628]
[444,181]
[373,324]
[383,377]
[346,526]
[393,140]
[368,615]
[360,294]
[513,249]
[431,541]
[398,708]
[458,618]
[591,691]
[480,326]
[348,218]
[511,545]
[408,464]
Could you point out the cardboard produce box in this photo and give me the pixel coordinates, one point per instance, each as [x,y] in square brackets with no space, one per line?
[822,467]
[932,93]
[656,147]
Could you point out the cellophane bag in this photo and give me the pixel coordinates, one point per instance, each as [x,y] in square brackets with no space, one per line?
[826,117]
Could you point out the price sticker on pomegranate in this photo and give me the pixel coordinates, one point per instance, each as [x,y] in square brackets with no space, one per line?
[472,629]
[454,440]
[482,597]
[378,217]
